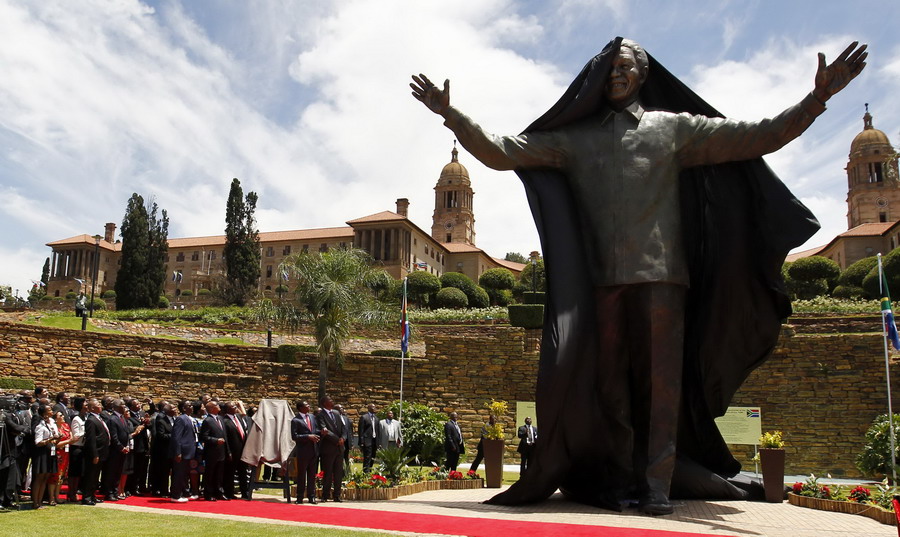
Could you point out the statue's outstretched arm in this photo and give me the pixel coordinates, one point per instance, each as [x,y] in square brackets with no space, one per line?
[833,78]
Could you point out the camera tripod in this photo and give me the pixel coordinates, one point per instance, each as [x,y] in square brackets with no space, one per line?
[13,464]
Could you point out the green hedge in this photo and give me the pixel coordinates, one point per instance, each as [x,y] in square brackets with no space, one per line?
[287,354]
[395,353]
[187,292]
[111,368]
[109,293]
[526,315]
[529,297]
[16,383]
[71,295]
[203,292]
[199,366]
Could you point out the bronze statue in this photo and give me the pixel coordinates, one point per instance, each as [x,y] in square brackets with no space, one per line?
[663,233]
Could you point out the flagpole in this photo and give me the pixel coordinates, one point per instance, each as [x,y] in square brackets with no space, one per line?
[887,370]
[404,341]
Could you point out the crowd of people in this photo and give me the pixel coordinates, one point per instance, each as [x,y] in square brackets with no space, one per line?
[110,448]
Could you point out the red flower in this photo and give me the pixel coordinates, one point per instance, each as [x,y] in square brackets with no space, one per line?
[454,475]
[798,487]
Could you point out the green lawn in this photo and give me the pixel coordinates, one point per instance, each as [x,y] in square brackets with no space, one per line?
[69,322]
[77,520]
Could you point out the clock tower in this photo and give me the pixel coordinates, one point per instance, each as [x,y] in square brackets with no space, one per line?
[874,190]
[453,219]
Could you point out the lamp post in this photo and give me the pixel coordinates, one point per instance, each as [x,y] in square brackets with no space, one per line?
[96,270]
[533,275]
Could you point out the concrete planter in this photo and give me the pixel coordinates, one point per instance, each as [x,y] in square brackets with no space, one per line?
[493,462]
[772,463]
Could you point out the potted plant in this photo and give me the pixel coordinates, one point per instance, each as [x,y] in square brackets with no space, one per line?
[494,444]
[771,459]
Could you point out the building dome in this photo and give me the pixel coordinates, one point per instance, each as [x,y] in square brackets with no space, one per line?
[454,171]
[869,136]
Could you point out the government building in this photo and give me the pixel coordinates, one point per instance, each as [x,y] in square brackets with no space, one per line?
[873,201]
[390,237]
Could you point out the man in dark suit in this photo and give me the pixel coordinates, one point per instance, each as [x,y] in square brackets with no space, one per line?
[120,433]
[527,438]
[62,405]
[95,452]
[9,469]
[306,434]
[182,448]
[348,433]
[367,431]
[140,424]
[236,429]
[331,449]
[160,463]
[215,451]
[453,442]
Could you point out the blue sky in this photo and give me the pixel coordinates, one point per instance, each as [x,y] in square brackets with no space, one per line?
[307,102]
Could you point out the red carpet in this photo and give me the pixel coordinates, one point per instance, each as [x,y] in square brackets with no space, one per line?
[387,520]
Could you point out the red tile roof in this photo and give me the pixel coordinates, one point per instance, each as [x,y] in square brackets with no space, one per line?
[383,216]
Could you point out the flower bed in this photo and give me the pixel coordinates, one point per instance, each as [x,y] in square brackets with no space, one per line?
[872,511]
[390,493]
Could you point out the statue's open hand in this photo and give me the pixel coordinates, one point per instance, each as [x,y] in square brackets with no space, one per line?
[833,78]
[435,99]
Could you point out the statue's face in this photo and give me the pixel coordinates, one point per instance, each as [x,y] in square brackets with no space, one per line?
[625,79]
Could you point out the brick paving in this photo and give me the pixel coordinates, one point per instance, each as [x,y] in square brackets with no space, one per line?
[704,517]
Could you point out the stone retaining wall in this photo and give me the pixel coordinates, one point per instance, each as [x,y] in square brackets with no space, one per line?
[821,390]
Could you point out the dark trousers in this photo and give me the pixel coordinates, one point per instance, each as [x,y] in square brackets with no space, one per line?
[137,481]
[526,451]
[90,479]
[160,472]
[112,471]
[368,452]
[213,474]
[452,460]
[9,480]
[236,470]
[180,471]
[479,456]
[641,335]
[332,461]
[306,476]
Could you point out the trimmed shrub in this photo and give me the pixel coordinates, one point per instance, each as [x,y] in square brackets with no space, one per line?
[809,275]
[423,431]
[109,293]
[203,292]
[498,283]
[891,266]
[47,297]
[99,304]
[451,297]
[420,285]
[279,289]
[111,368]
[16,383]
[187,292]
[199,366]
[848,291]
[855,273]
[875,458]
[71,295]
[478,297]
[287,354]
[163,302]
[526,315]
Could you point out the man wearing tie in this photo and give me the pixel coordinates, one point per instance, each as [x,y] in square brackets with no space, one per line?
[348,433]
[120,435]
[182,449]
[236,428]
[527,437]
[453,443]
[95,452]
[331,449]
[368,436]
[160,463]
[215,451]
[306,434]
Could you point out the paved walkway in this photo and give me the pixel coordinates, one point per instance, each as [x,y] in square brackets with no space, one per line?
[706,517]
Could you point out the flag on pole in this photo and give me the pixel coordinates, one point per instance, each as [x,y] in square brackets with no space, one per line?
[887,315]
[284,274]
[80,281]
[404,323]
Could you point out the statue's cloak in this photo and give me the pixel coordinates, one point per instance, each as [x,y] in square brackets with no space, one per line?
[739,221]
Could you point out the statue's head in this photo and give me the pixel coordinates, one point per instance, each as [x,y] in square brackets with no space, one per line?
[629,71]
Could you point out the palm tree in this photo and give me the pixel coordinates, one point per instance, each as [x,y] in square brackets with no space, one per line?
[335,290]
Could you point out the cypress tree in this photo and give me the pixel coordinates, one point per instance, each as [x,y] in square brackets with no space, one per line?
[142,273]
[241,252]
